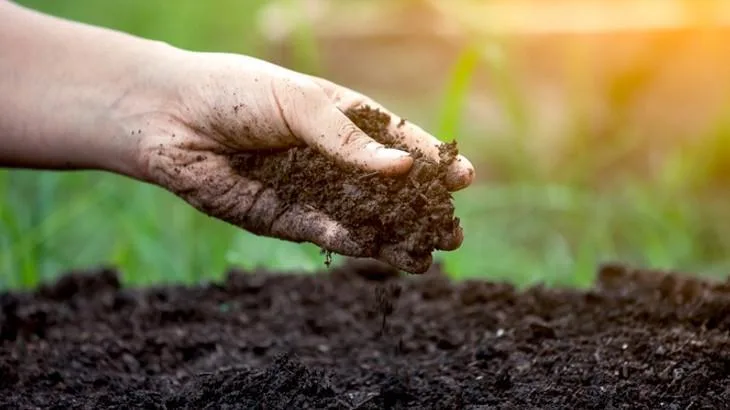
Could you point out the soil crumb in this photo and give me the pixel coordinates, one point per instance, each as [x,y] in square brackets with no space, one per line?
[262,340]
[415,209]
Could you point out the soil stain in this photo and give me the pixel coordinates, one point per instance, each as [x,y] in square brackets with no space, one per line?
[255,340]
[415,209]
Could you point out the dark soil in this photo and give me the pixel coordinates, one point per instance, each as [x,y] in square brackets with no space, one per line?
[414,210]
[638,340]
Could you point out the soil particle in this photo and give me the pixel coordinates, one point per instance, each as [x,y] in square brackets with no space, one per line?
[637,339]
[415,209]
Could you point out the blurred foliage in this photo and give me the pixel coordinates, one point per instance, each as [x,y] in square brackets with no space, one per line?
[222,25]
[524,227]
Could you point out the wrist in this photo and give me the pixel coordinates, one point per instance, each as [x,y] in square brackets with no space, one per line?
[71,94]
[141,107]
[130,102]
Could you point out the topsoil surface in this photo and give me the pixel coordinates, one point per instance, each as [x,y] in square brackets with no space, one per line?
[414,210]
[638,340]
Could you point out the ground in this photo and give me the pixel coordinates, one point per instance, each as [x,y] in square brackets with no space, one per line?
[357,337]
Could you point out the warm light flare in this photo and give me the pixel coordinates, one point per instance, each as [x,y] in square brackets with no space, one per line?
[583,16]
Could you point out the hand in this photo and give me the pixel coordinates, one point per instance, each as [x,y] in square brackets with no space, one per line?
[225,104]
[75,96]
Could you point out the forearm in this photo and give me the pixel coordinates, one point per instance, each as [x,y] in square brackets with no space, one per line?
[70,93]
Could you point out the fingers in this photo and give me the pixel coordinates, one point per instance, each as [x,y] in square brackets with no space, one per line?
[208,183]
[298,224]
[260,211]
[346,142]
[267,216]
[312,116]
[261,215]
[461,172]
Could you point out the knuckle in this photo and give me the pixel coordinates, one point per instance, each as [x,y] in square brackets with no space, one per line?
[351,136]
[230,201]
[297,87]
[306,85]
[261,215]
[350,102]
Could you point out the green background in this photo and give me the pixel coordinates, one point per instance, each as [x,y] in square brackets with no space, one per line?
[524,227]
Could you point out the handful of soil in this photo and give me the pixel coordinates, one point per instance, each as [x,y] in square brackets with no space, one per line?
[415,209]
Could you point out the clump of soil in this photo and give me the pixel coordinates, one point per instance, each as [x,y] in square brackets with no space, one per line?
[638,339]
[415,209]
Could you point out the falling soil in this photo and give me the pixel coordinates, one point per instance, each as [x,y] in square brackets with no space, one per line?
[639,340]
[414,209]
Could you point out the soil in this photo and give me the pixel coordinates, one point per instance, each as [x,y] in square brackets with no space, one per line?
[258,340]
[414,210]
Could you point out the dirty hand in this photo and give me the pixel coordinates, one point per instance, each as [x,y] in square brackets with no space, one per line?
[225,104]
[75,96]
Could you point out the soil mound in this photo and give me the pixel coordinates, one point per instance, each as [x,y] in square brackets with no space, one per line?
[639,340]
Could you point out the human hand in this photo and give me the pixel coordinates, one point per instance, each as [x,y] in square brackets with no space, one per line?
[226,104]
[76,97]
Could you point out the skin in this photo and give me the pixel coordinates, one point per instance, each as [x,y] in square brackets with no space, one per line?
[78,97]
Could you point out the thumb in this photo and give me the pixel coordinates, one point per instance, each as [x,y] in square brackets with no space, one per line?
[323,126]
